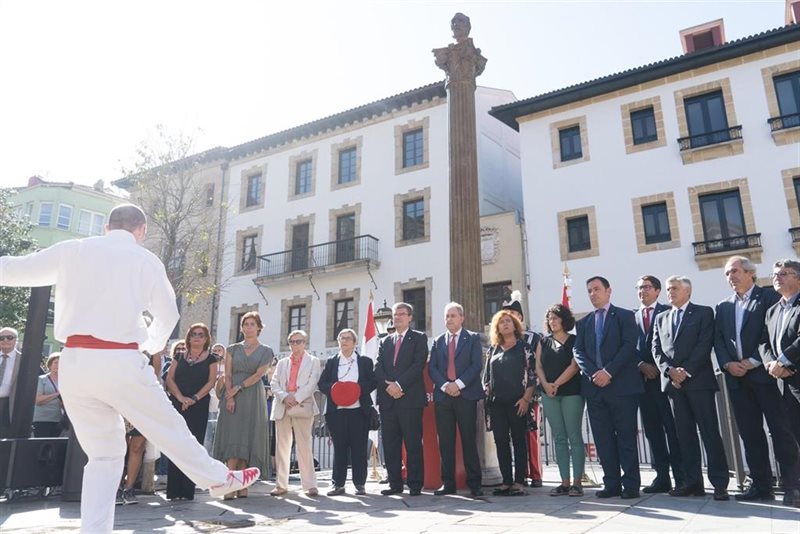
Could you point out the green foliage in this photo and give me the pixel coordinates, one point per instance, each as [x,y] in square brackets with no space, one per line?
[15,240]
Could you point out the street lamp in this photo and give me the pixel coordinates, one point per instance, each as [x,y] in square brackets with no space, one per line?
[383,316]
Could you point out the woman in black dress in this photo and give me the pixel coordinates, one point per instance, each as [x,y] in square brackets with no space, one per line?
[189,381]
[508,381]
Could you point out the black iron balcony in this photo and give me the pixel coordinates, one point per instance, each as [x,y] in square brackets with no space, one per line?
[710,138]
[784,121]
[795,233]
[355,250]
[726,244]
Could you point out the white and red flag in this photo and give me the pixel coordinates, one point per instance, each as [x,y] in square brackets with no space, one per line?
[369,347]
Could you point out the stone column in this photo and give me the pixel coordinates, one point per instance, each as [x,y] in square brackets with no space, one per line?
[463,63]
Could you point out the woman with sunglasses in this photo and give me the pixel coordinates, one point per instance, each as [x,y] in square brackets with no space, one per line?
[189,381]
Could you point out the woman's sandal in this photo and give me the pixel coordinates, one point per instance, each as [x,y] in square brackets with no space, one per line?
[516,492]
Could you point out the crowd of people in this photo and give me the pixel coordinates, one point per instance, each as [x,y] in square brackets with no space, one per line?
[655,360]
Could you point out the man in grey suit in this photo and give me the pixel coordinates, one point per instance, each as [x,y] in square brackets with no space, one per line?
[9,367]
[682,341]
[780,350]
[754,395]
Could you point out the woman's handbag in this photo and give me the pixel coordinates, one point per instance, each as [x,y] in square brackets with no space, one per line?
[301,410]
[374,419]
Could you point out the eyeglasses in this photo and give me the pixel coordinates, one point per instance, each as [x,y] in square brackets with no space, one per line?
[400,313]
[7,338]
[197,334]
[647,287]
[782,274]
[296,341]
[346,338]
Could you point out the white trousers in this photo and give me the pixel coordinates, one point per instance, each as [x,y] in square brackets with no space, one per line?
[98,387]
[302,449]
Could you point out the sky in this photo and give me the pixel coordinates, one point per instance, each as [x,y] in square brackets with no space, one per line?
[85,82]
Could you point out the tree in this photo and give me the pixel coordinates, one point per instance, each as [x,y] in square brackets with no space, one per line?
[175,188]
[15,239]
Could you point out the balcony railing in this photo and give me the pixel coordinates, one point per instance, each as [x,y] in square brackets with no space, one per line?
[363,248]
[726,244]
[784,121]
[710,138]
[795,233]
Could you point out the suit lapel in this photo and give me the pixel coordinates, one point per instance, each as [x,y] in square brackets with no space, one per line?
[610,316]
[687,316]
[462,340]
[751,303]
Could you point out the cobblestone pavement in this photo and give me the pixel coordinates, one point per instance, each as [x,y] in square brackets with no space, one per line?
[295,512]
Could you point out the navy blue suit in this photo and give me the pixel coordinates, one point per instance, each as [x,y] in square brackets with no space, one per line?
[657,420]
[401,419]
[460,411]
[612,409]
[694,403]
[755,396]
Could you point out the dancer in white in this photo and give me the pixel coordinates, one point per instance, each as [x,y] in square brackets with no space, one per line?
[104,285]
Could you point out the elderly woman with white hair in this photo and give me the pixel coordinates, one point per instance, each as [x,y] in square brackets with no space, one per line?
[293,410]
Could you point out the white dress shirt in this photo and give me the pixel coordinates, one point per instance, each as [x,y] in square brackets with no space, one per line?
[8,374]
[348,372]
[103,285]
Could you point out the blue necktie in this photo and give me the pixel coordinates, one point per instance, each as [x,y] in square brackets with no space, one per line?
[598,336]
[676,321]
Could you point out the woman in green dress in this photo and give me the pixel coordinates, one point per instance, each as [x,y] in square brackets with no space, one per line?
[242,429]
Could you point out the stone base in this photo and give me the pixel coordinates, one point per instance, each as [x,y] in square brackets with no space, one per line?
[490,469]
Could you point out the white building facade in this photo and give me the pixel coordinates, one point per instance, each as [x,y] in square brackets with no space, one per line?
[665,169]
[323,214]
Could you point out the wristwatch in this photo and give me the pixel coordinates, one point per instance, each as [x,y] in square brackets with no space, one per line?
[194,397]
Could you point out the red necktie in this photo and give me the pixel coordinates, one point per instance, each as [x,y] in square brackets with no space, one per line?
[646,320]
[397,343]
[451,359]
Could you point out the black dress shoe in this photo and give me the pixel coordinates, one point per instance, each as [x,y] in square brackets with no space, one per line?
[606,493]
[444,491]
[657,487]
[688,491]
[753,494]
[792,498]
[392,491]
[415,492]
[476,492]
[536,483]
[630,494]
[721,494]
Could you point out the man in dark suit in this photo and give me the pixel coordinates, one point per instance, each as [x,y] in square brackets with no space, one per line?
[738,331]
[780,350]
[455,370]
[682,342]
[605,350]
[10,359]
[401,398]
[657,420]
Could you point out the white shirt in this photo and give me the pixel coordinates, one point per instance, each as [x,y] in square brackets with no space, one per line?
[103,284]
[8,374]
[348,372]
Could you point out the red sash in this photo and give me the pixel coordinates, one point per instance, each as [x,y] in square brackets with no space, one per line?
[91,342]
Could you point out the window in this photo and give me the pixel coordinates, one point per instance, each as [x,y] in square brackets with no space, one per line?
[797,189]
[302,182]
[416,297]
[45,213]
[239,333]
[29,209]
[347,165]
[578,234]
[414,219]
[494,295]
[413,145]
[249,253]
[299,250]
[643,123]
[253,190]
[209,195]
[90,223]
[64,217]
[570,142]
[706,119]
[345,237]
[656,223]
[297,319]
[722,216]
[787,87]
[342,316]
